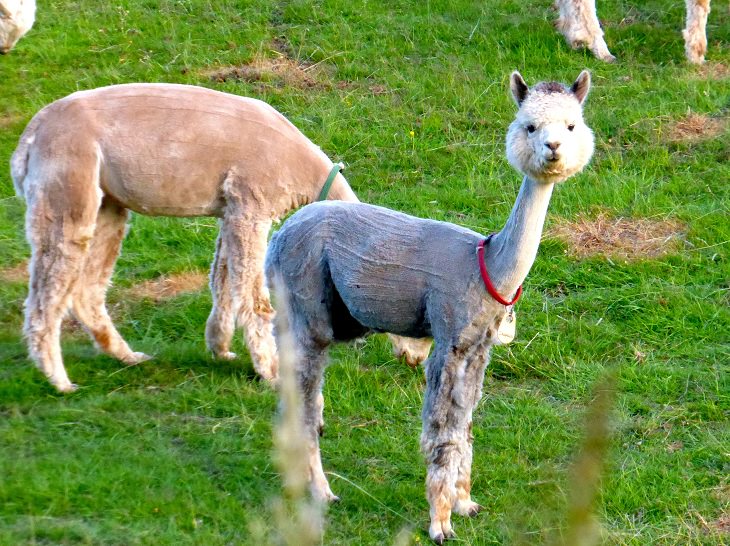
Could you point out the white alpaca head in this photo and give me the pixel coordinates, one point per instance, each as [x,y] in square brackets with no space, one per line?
[16,18]
[548,141]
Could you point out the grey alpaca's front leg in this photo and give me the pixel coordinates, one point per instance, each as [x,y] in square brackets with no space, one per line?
[473,379]
[445,439]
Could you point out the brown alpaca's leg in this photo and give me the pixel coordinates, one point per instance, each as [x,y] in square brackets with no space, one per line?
[221,323]
[412,350]
[60,225]
[245,239]
[89,294]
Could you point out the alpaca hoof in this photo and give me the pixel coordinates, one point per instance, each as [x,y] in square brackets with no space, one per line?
[474,510]
[413,353]
[324,494]
[411,360]
[226,355]
[268,375]
[467,508]
[440,538]
[136,358]
[441,532]
[67,387]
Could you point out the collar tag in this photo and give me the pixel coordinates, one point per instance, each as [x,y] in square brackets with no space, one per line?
[507,328]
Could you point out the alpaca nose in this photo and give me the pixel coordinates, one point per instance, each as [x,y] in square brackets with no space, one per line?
[553,145]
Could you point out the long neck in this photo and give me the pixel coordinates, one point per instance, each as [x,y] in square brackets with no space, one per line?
[511,252]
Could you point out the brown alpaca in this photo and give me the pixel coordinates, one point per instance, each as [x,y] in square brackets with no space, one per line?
[85,160]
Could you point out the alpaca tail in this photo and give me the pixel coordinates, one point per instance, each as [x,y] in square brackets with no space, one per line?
[19,159]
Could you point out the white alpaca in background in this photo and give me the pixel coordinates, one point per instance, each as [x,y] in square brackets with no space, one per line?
[349,269]
[16,18]
[579,24]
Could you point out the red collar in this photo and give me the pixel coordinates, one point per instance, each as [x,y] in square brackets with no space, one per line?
[487,281]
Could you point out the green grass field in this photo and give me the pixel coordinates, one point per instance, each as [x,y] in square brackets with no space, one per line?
[413,97]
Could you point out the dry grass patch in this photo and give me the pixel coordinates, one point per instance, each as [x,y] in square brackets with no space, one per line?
[694,127]
[8,120]
[714,71]
[15,273]
[169,286]
[722,525]
[278,72]
[627,238]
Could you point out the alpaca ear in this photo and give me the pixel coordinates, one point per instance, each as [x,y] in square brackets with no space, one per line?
[4,11]
[581,86]
[519,87]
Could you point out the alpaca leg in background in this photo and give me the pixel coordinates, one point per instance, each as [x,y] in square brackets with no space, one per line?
[579,24]
[244,246]
[246,242]
[413,350]
[695,37]
[89,293]
[60,225]
[221,324]
[444,441]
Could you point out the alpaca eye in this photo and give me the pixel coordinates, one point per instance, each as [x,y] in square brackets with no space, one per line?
[530,128]
[571,127]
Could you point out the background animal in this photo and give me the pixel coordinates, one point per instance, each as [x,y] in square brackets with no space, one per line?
[579,24]
[350,269]
[165,150]
[16,18]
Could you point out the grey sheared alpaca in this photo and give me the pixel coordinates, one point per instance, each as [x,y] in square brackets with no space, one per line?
[351,268]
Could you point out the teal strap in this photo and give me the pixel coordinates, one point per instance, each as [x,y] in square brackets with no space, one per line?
[337,167]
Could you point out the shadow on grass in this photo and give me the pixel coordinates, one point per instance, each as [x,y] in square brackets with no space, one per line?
[171,366]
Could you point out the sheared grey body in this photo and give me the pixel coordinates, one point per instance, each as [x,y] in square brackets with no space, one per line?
[371,269]
[346,269]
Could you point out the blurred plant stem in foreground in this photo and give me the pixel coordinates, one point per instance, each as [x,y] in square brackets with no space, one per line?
[582,528]
[298,518]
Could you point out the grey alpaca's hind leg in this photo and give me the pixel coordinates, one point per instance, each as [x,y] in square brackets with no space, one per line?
[445,437]
[310,376]
[89,294]
[221,324]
